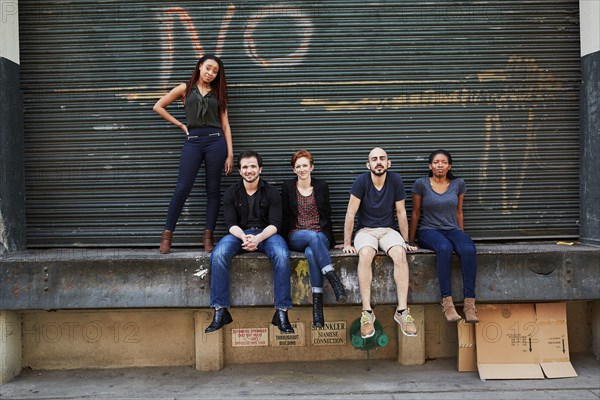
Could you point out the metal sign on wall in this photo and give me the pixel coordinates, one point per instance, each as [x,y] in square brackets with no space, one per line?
[495,83]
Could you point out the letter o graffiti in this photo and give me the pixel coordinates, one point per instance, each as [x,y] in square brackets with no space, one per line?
[57,332]
[295,57]
[450,335]
[496,331]
[92,332]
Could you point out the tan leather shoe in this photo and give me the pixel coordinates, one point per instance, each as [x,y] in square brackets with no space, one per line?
[449,310]
[470,310]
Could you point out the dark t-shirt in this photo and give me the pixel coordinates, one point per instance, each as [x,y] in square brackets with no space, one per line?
[377,207]
[253,218]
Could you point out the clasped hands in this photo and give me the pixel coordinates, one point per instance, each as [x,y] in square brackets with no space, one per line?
[250,243]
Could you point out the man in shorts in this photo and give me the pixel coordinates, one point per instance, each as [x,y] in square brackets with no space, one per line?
[374,197]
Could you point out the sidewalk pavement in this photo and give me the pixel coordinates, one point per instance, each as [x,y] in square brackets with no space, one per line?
[386,379]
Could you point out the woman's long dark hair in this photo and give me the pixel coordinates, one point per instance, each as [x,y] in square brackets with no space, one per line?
[445,153]
[218,85]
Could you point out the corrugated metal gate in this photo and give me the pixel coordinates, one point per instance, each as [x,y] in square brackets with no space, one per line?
[496,83]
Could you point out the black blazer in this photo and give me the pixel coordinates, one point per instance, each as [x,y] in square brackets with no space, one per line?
[289,205]
[236,210]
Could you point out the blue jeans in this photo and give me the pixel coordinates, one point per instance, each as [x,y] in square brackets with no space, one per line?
[315,246]
[444,242]
[220,259]
[209,147]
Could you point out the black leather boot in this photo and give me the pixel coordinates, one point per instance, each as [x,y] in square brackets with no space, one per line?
[280,320]
[337,286]
[318,319]
[220,319]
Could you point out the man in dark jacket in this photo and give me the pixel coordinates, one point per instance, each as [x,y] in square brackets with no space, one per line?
[252,210]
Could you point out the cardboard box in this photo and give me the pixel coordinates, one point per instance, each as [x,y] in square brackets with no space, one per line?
[466,359]
[522,341]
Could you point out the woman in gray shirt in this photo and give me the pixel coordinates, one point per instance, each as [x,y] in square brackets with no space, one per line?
[440,196]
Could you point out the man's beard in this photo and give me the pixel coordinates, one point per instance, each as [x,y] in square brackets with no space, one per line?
[251,179]
[382,172]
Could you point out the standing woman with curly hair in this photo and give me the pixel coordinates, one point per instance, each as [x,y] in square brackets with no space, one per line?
[207,140]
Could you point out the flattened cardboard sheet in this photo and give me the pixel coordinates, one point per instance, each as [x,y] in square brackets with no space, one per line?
[554,349]
[510,371]
[523,341]
[558,369]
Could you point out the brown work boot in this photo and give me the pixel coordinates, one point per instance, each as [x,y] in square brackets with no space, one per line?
[449,310]
[209,244]
[165,241]
[367,324]
[470,310]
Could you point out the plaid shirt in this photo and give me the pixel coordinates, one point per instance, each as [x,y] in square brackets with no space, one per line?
[308,214]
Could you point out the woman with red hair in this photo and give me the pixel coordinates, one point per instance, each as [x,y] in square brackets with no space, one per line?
[307,227]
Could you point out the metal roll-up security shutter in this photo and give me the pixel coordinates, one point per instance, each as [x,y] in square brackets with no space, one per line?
[496,83]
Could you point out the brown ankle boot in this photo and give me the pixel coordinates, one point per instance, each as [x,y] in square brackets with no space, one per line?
[165,242]
[449,310]
[470,310]
[209,243]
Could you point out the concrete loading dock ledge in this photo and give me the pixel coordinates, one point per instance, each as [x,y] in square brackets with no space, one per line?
[123,307]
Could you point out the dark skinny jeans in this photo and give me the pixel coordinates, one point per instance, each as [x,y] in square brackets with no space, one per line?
[206,145]
[444,243]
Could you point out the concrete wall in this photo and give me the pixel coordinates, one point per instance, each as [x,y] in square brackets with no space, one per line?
[111,278]
[589,15]
[10,345]
[109,339]
[9,30]
[596,328]
[92,339]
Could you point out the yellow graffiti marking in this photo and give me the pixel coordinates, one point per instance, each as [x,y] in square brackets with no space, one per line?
[541,83]
[301,291]
[531,98]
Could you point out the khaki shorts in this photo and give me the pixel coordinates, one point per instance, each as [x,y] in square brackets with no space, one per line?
[378,238]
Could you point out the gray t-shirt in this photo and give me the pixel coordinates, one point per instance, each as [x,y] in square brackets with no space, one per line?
[439,210]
